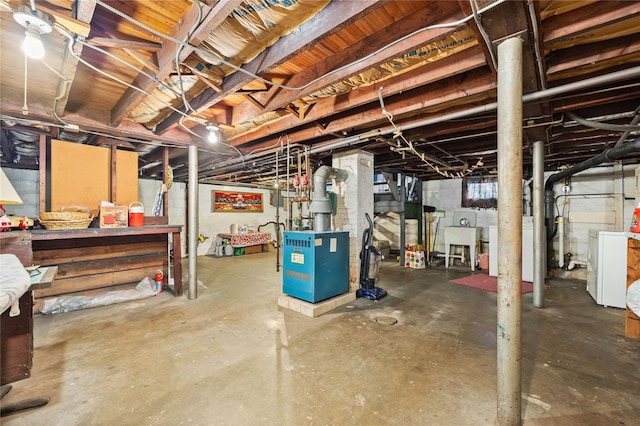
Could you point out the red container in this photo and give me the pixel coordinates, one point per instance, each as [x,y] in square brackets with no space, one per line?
[635,220]
[136,214]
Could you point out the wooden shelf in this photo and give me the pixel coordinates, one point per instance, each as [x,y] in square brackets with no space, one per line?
[95,260]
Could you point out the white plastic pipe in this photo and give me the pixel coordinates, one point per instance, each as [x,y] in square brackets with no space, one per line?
[560,222]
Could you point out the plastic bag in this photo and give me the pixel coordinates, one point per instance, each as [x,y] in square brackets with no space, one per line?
[633,297]
[56,305]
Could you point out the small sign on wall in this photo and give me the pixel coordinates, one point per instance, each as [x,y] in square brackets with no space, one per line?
[237,202]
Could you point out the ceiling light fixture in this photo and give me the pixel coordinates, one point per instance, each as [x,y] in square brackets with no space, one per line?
[36,24]
[214,133]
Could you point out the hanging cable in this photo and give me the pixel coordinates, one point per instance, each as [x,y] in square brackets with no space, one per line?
[177,58]
[69,35]
[634,121]
[483,33]
[425,158]
[25,108]
[278,142]
[602,126]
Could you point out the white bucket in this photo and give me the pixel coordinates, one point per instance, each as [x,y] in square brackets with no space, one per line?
[234,228]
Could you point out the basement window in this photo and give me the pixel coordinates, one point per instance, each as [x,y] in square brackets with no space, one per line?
[480,192]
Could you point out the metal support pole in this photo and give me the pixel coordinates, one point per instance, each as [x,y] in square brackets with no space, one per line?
[402,220]
[509,347]
[539,234]
[192,221]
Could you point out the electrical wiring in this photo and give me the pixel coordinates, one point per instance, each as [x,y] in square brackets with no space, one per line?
[634,121]
[182,44]
[69,35]
[603,126]
[66,84]
[278,142]
[181,124]
[177,58]
[483,33]
[71,39]
[425,158]
[306,85]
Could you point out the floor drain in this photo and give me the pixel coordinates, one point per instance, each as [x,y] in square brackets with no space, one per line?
[386,320]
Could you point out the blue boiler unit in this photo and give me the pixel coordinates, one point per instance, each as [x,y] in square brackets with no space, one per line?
[315,264]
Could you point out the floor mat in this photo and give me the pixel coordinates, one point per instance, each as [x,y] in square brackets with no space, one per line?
[489,283]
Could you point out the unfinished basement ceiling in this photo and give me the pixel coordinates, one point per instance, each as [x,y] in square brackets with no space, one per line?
[314,75]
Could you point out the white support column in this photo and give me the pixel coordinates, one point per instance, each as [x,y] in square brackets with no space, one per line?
[192,222]
[355,198]
[509,321]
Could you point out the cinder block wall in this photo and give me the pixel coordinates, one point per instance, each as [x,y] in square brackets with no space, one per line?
[355,198]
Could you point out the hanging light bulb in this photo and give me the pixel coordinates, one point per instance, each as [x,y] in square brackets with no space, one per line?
[214,133]
[32,44]
[36,23]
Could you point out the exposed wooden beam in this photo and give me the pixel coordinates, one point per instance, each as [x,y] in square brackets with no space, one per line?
[84,13]
[166,56]
[126,129]
[438,11]
[142,60]
[598,14]
[429,100]
[62,17]
[591,57]
[439,70]
[124,44]
[334,17]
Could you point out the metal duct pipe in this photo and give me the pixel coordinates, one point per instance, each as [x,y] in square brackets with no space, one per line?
[320,204]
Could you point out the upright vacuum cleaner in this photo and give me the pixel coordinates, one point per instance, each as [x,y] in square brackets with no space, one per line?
[369,265]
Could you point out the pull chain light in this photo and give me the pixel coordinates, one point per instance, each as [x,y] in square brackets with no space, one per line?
[25,108]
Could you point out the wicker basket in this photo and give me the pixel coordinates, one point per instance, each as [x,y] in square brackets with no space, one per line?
[66,224]
[64,216]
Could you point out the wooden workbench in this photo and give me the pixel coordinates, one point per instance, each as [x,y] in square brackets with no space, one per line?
[94,260]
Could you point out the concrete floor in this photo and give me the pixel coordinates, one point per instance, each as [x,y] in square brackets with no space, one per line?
[232,357]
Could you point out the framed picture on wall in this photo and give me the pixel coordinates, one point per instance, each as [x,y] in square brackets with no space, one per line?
[237,202]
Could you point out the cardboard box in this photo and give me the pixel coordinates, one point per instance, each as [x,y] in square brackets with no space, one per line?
[253,249]
[414,259]
[114,216]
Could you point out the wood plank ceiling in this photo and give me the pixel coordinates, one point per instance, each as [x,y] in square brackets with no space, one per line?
[413,82]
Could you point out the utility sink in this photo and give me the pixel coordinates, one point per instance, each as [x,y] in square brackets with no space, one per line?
[461,236]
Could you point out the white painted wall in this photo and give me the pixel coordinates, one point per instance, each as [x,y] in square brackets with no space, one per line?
[594,195]
[26,183]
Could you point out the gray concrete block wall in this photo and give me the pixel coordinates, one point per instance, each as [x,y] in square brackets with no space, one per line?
[355,198]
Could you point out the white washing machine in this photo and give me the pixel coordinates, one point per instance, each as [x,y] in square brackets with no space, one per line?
[527,249]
